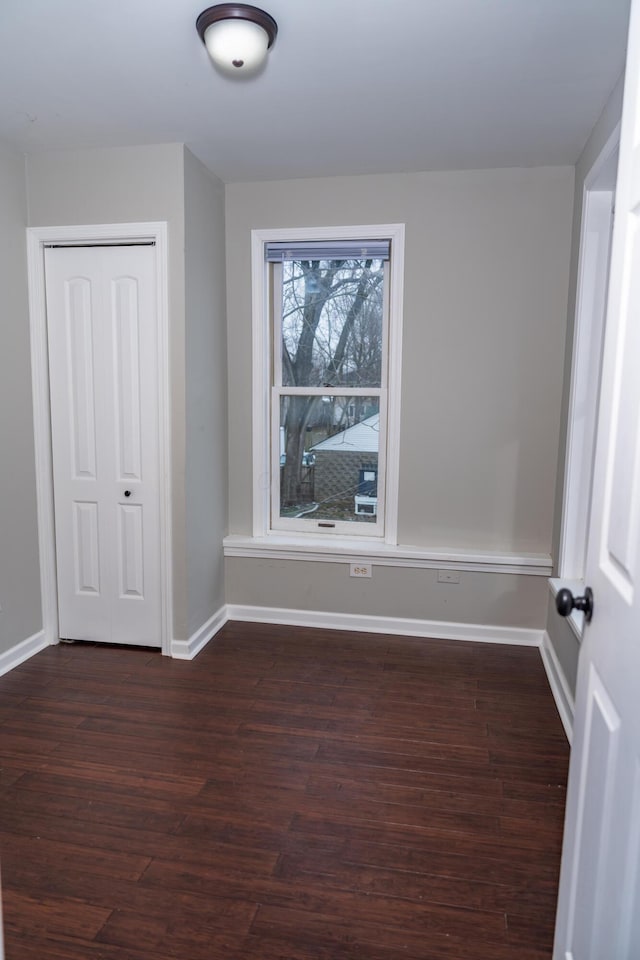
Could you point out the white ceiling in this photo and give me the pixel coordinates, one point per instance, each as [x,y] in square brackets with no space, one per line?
[351,86]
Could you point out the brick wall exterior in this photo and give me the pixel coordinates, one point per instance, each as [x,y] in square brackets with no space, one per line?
[337,472]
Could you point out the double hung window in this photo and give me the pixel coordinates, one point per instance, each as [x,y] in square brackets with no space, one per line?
[328,343]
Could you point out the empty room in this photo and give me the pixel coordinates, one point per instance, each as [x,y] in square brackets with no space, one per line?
[320,477]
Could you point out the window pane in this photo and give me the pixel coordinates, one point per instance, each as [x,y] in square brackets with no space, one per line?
[332,323]
[329,458]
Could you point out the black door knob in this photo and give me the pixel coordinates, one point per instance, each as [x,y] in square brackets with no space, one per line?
[127,493]
[566,602]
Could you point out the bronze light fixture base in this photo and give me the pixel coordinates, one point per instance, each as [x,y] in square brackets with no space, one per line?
[237,11]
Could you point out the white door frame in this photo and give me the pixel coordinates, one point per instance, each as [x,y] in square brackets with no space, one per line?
[113,233]
[591,285]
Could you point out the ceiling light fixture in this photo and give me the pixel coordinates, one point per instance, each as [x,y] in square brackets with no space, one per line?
[237,36]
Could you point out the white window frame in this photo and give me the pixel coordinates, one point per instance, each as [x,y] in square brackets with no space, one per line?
[262,300]
[341,528]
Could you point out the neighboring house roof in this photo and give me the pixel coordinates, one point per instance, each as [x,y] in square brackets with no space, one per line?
[360,438]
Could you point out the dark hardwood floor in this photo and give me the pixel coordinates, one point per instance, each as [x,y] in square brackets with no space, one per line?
[291,794]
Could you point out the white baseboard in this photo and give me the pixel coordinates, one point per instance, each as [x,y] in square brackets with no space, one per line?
[22,651]
[188,649]
[559,687]
[439,629]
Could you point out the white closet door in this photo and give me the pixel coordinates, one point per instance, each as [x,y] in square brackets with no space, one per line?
[102,330]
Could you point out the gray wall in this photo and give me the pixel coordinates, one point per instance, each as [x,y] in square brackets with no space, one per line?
[124,185]
[206,391]
[503,600]
[21,615]
[486,268]
[563,639]
[564,643]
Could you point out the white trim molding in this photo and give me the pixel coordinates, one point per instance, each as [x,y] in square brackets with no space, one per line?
[430,629]
[23,651]
[560,689]
[112,233]
[596,222]
[188,649]
[386,555]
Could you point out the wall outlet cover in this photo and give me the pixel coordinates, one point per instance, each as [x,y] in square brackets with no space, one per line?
[448,576]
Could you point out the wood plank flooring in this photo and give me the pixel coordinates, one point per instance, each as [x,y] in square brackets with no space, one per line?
[291,794]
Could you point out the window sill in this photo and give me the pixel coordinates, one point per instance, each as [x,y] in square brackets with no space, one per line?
[576,617]
[342,550]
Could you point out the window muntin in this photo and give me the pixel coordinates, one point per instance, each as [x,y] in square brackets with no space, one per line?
[329,359]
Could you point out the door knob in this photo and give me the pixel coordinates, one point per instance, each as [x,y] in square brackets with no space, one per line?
[127,493]
[566,602]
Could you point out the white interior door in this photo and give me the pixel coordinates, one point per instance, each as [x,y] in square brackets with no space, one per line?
[599,902]
[102,335]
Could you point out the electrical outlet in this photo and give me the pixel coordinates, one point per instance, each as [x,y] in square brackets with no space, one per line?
[360,570]
[448,576]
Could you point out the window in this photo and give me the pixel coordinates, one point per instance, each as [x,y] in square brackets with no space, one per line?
[326,411]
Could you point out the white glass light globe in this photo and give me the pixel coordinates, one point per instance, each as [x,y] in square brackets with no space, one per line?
[236,46]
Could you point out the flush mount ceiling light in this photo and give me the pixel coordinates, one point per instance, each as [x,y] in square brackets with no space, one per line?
[237,36]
